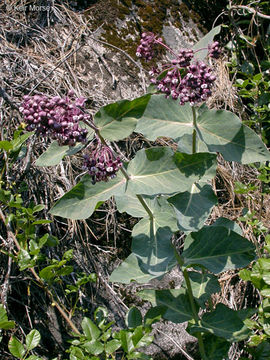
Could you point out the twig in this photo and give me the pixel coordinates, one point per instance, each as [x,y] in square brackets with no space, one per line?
[251,10]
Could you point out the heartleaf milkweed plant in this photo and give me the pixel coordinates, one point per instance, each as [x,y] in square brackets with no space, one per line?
[169,190]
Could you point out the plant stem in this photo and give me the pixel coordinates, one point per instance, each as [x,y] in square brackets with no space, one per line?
[194,135]
[195,314]
[126,175]
[192,303]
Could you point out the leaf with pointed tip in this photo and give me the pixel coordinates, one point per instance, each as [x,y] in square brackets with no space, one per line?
[81,200]
[32,339]
[223,322]
[218,249]
[228,224]
[175,301]
[216,348]
[193,207]
[131,270]
[153,254]
[203,285]
[118,120]
[16,347]
[152,245]
[222,131]
[204,42]
[165,117]
[55,153]
[157,170]
[90,330]
[130,204]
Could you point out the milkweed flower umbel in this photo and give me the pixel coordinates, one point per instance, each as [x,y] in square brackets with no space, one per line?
[100,163]
[56,117]
[184,77]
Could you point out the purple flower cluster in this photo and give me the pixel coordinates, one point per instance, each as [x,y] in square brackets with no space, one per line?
[101,164]
[214,50]
[145,49]
[184,77]
[194,86]
[56,117]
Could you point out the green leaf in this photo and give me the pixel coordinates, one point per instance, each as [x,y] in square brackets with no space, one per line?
[133,317]
[235,141]
[32,339]
[218,249]
[112,345]
[204,42]
[19,140]
[126,341]
[175,301]
[153,315]
[94,347]
[55,153]
[262,351]
[80,201]
[90,330]
[140,339]
[16,347]
[6,145]
[130,204]
[158,170]
[216,348]
[229,224]
[4,322]
[131,270]
[203,285]
[165,117]
[118,120]
[223,322]
[193,207]
[152,245]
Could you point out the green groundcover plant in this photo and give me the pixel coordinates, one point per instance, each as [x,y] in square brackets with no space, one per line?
[169,190]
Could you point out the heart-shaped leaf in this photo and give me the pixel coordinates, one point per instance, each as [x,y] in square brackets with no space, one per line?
[193,207]
[55,153]
[223,322]
[218,249]
[118,120]
[175,301]
[81,200]
[159,170]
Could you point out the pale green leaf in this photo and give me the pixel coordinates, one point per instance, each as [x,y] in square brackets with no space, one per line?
[204,42]
[158,170]
[118,120]
[193,207]
[81,200]
[55,153]
[165,117]
[90,330]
